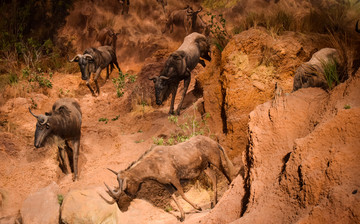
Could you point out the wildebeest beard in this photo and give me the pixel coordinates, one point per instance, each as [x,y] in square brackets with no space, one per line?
[86,68]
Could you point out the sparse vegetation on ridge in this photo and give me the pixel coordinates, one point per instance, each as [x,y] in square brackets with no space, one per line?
[190,127]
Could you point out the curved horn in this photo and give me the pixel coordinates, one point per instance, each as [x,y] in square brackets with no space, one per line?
[189,10]
[107,201]
[75,59]
[357,29]
[113,171]
[88,56]
[152,78]
[122,183]
[199,10]
[45,120]
[164,77]
[32,113]
[114,194]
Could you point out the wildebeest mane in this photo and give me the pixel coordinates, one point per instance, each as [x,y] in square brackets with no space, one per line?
[140,158]
[95,53]
[64,110]
[172,62]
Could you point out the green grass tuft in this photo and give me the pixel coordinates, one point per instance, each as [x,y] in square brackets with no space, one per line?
[331,74]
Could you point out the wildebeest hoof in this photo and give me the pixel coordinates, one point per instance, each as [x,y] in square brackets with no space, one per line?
[181,219]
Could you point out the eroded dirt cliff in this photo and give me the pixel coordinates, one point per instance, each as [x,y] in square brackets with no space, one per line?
[301,161]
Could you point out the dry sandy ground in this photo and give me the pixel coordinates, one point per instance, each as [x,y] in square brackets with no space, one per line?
[113,144]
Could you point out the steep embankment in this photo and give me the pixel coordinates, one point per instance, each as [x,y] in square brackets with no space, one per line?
[302,160]
[245,75]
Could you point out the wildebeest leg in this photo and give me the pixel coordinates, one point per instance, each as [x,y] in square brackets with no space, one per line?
[212,175]
[63,158]
[178,186]
[182,213]
[70,154]
[171,190]
[97,74]
[186,86]
[173,95]
[88,85]
[117,66]
[107,72]
[76,145]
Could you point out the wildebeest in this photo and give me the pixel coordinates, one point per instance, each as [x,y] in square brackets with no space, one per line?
[357,29]
[63,121]
[181,18]
[312,73]
[178,67]
[125,6]
[198,25]
[94,60]
[168,165]
[107,37]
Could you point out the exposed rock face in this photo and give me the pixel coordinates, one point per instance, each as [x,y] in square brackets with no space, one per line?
[42,207]
[227,209]
[303,159]
[86,206]
[245,76]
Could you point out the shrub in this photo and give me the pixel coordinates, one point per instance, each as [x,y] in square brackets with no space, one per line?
[38,77]
[191,127]
[120,82]
[347,106]
[103,119]
[60,199]
[217,26]
[158,141]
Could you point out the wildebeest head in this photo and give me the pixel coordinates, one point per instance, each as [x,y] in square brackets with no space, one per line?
[125,186]
[174,68]
[204,47]
[161,88]
[86,63]
[43,128]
